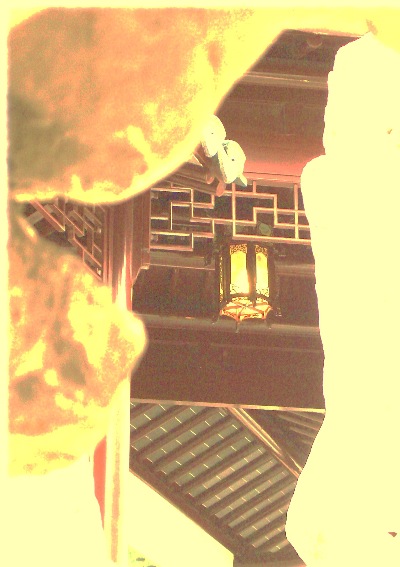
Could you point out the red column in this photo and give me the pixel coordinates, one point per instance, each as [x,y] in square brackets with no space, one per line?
[111,457]
[99,473]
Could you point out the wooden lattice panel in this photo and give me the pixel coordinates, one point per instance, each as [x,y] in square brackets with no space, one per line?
[83,226]
[270,209]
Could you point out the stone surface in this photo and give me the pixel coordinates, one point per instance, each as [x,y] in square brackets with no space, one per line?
[70,348]
[103,103]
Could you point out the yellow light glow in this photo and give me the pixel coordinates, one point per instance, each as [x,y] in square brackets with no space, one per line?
[239,277]
[242,306]
[262,273]
[244,309]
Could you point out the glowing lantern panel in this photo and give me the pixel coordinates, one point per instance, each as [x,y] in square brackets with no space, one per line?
[244,282]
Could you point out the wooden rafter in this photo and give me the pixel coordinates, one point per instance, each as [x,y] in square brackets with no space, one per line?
[279,451]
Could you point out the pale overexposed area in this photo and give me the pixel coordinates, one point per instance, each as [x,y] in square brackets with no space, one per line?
[164,534]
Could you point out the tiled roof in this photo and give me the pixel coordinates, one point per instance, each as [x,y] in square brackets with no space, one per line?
[225,470]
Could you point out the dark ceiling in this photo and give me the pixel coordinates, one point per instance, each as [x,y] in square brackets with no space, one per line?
[297,50]
[276,112]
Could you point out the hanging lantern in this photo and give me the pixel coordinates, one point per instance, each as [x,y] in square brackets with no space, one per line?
[246,281]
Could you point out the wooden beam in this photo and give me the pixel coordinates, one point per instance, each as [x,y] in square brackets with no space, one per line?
[282,504]
[197,441]
[270,79]
[172,435]
[227,327]
[140,256]
[279,450]
[222,485]
[221,468]
[266,371]
[168,259]
[277,429]
[249,505]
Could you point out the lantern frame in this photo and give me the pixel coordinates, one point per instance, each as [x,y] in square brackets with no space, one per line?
[242,305]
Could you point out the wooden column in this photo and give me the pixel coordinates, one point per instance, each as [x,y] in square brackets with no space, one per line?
[128,239]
